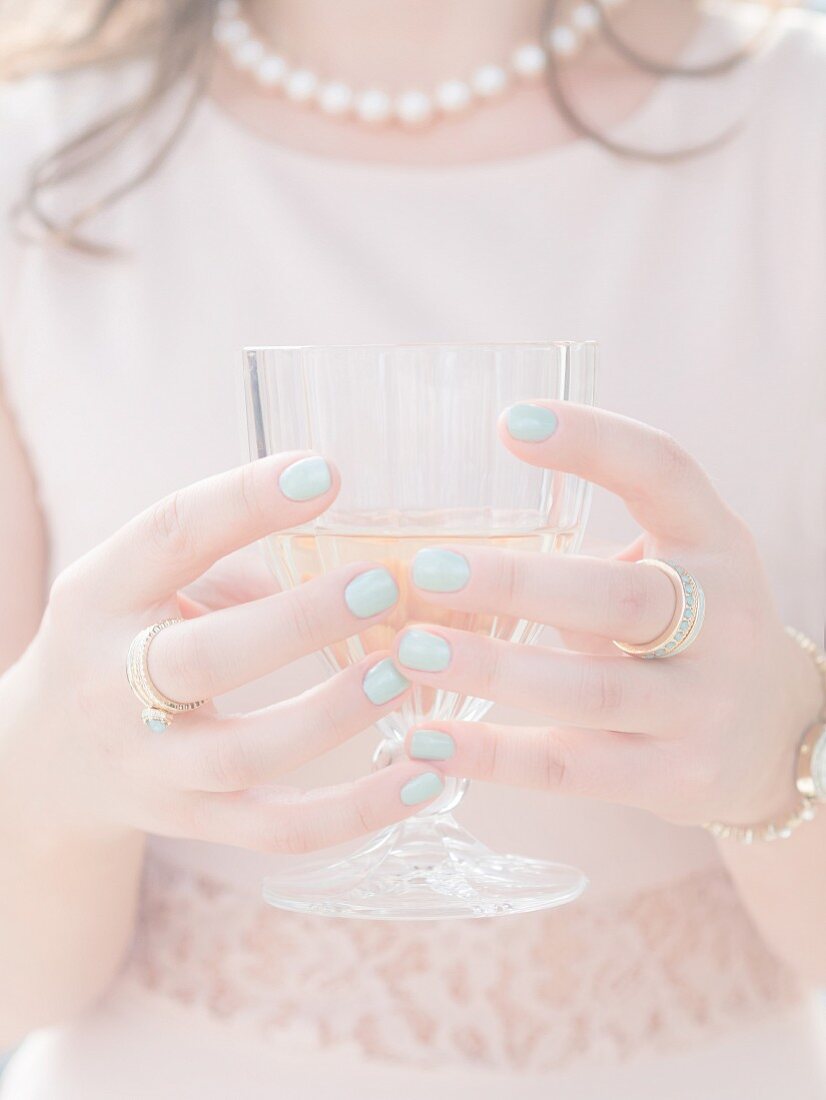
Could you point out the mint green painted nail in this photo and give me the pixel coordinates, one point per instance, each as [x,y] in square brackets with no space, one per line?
[424,651]
[431,745]
[531,423]
[371,592]
[440,570]
[384,682]
[421,789]
[305,479]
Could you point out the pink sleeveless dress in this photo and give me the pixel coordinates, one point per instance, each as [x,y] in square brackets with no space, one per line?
[704,283]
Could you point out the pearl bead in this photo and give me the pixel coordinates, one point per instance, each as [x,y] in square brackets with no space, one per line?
[300,85]
[563,41]
[335,98]
[248,54]
[585,17]
[453,96]
[414,108]
[373,106]
[271,70]
[230,31]
[528,60]
[489,81]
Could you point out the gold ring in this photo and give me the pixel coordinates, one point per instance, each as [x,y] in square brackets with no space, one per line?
[158,707]
[687,618]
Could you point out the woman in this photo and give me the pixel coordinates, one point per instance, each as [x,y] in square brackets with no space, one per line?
[134,945]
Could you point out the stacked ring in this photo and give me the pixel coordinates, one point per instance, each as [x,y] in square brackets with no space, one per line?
[158,708]
[687,619]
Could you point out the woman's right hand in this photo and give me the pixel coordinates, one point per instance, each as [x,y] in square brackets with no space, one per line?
[72,727]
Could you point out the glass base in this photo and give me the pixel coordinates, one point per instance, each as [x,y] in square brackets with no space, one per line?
[425,868]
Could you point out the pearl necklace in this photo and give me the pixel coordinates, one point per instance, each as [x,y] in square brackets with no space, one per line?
[409,108]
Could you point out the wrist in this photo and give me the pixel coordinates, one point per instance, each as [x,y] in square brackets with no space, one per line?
[774,796]
[793,798]
[48,798]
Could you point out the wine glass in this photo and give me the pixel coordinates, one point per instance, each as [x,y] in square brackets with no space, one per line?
[412,428]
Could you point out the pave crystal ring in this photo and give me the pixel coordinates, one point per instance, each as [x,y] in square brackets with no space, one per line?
[158,708]
[687,619]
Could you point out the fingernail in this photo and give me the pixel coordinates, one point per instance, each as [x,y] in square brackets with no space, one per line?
[440,570]
[371,592]
[423,651]
[422,788]
[305,479]
[384,682]
[531,423]
[431,745]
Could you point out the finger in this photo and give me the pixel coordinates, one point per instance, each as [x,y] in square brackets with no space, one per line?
[189,608]
[586,763]
[292,821]
[617,693]
[235,752]
[614,599]
[242,576]
[180,537]
[664,488]
[215,653]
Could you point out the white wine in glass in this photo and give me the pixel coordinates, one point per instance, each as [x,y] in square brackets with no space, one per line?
[412,429]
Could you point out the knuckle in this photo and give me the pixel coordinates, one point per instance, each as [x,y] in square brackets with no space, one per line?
[324,719]
[599,693]
[304,617]
[290,836]
[489,759]
[491,661]
[597,432]
[510,578]
[364,817]
[67,608]
[552,764]
[169,529]
[742,537]
[673,461]
[629,593]
[249,489]
[234,764]
[66,594]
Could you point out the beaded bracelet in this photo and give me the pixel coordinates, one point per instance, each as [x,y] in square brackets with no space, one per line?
[811,771]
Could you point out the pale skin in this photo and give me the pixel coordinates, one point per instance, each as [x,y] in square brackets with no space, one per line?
[711,734]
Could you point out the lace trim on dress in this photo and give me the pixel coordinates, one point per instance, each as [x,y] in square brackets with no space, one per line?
[600,981]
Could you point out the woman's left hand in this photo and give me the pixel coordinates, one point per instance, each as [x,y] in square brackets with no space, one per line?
[709,734]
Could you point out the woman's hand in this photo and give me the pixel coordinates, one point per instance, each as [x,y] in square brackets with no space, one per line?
[706,735]
[73,733]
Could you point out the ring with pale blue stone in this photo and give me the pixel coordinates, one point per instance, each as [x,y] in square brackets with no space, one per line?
[158,708]
[686,621]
